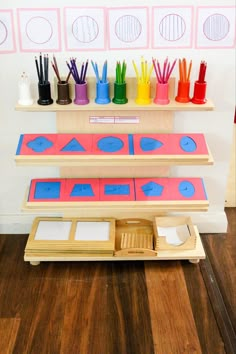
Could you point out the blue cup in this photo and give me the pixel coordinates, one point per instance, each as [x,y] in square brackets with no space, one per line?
[102,93]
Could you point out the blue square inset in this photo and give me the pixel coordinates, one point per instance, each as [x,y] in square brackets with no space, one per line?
[47,190]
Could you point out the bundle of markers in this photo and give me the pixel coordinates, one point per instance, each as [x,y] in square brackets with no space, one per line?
[184,70]
[42,68]
[120,72]
[145,74]
[103,78]
[163,74]
[202,72]
[79,78]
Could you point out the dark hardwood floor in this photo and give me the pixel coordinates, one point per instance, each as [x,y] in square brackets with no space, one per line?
[170,307]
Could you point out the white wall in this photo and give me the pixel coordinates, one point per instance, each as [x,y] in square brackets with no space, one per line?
[216,125]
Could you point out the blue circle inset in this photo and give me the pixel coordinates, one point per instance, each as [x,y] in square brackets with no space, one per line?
[186,189]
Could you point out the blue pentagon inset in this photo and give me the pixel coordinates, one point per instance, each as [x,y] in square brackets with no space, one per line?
[40,144]
[150,144]
[110,144]
[186,189]
[152,189]
[188,144]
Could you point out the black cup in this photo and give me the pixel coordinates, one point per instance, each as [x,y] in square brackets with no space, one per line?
[44,94]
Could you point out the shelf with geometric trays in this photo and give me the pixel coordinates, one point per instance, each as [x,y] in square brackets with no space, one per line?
[100,148]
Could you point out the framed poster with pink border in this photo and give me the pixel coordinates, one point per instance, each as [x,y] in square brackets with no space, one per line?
[84,28]
[128,28]
[215,27]
[172,27]
[39,30]
[7,35]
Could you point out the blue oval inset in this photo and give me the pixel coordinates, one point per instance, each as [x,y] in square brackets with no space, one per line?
[188,144]
[110,144]
[186,189]
[150,144]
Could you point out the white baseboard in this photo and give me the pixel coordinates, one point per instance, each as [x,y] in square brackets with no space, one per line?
[208,222]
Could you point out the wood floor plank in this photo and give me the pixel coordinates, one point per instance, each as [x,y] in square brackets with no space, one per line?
[113,313]
[8,332]
[202,310]
[173,325]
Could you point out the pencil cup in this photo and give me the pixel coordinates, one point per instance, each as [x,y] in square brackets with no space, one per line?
[63,96]
[183,92]
[25,98]
[81,96]
[199,93]
[44,94]
[143,93]
[162,94]
[102,93]
[120,93]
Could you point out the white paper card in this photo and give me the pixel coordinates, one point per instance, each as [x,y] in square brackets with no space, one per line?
[53,230]
[174,235]
[92,231]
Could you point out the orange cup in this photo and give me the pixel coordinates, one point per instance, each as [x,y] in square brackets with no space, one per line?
[183,92]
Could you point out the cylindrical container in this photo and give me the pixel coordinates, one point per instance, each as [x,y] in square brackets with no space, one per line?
[81,95]
[63,96]
[162,93]
[120,93]
[183,92]
[102,93]
[143,93]
[199,93]
[25,98]
[44,94]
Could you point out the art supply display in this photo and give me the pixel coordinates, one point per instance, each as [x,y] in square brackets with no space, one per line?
[44,87]
[79,76]
[199,93]
[24,90]
[120,84]
[143,82]
[102,84]
[163,76]
[184,81]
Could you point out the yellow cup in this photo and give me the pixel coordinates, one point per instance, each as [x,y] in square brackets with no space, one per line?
[143,93]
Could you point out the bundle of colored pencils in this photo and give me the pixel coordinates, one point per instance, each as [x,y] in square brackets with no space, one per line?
[202,72]
[164,74]
[103,78]
[144,76]
[184,72]
[120,72]
[42,68]
[78,78]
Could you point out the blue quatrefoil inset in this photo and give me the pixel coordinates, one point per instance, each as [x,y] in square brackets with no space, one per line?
[110,144]
[47,190]
[186,189]
[40,144]
[73,145]
[117,189]
[150,144]
[82,190]
[152,189]
[188,144]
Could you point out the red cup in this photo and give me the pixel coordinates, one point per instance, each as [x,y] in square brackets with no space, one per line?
[183,92]
[199,93]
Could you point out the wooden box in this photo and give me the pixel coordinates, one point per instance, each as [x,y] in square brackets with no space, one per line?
[174,233]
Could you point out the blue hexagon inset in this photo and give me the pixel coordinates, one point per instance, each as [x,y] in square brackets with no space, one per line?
[40,144]
[152,189]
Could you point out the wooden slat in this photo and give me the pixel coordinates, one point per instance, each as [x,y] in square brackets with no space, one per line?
[8,333]
[173,325]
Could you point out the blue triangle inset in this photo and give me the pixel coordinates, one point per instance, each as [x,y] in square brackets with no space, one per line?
[73,145]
